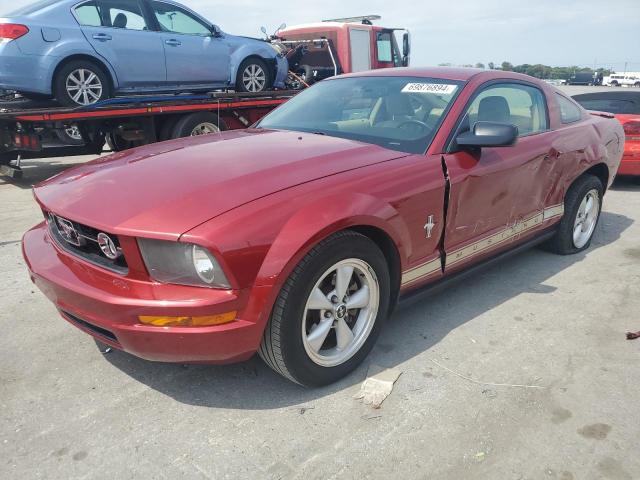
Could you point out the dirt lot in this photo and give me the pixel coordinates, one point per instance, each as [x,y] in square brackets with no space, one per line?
[556,323]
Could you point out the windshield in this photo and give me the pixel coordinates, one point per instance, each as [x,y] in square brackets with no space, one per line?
[399,113]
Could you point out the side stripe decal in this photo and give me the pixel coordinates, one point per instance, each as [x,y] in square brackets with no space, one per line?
[481,246]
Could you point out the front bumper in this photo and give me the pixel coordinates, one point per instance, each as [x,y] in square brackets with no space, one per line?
[106,305]
[282,70]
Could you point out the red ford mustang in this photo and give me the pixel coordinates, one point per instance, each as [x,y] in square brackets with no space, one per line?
[296,238]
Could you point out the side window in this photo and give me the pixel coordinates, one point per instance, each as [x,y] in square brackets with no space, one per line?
[512,103]
[176,20]
[384,47]
[124,14]
[569,111]
[88,14]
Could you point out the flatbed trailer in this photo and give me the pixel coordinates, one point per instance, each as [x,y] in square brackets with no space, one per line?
[43,131]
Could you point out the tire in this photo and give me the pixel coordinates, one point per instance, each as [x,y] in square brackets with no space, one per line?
[253,76]
[118,144]
[196,124]
[166,130]
[637,85]
[70,135]
[98,86]
[286,346]
[564,243]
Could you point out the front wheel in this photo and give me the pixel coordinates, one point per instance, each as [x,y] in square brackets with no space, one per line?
[582,207]
[253,76]
[329,312]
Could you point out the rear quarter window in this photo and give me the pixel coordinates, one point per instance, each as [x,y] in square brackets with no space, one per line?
[569,111]
[88,15]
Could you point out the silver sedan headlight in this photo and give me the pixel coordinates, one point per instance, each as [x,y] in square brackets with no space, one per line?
[182,264]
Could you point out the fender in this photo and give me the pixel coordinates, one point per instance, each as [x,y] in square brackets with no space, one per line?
[309,226]
[69,50]
[246,49]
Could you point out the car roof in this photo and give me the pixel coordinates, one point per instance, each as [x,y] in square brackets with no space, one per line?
[461,74]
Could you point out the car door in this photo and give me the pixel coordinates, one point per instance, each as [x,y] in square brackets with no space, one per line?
[497,195]
[119,31]
[195,55]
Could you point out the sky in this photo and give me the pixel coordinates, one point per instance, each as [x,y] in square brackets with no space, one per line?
[551,32]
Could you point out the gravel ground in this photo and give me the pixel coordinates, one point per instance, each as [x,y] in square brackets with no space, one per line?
[554,323]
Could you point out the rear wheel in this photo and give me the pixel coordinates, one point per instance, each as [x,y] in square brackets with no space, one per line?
[582,206]
[81,83]
[329,312]
[253,76]
[197,124]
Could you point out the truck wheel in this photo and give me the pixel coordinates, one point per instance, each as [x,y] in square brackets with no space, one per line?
[253,76]
[582,206]
[81,83]
[70,135]
[196,124]
[329,312]
[118,144]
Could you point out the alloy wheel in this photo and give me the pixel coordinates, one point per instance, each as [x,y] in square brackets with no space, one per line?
[84,86]
[254,78]
[340,312]
[74,133]
[586,218]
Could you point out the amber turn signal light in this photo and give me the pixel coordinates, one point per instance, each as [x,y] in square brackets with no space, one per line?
[202,321]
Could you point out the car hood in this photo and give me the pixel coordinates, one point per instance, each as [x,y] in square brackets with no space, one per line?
[165,189]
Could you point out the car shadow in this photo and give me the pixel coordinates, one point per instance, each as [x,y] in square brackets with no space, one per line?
[36,171]
[626,184]
[413,329]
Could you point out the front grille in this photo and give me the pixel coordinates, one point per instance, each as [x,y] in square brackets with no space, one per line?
[82,241]
[99,331]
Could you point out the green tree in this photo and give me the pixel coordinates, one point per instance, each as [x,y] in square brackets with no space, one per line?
[479,65]
[491,65]
[507,66]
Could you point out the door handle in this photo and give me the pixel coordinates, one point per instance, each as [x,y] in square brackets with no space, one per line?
[173,42]
[103,37]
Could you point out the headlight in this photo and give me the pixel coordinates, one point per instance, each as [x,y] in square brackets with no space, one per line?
[182,263]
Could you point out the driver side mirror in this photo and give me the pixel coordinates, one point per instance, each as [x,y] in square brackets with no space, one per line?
[489,134]
[215,31]
[406,49]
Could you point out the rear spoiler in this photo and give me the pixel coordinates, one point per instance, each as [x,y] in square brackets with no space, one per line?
[601,114]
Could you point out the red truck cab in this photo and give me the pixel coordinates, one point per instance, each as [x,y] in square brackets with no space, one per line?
[357,44]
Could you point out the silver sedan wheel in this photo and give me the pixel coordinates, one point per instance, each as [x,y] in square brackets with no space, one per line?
[205,128]
[84,86]
[586,218]
[340,312]
[254,78]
